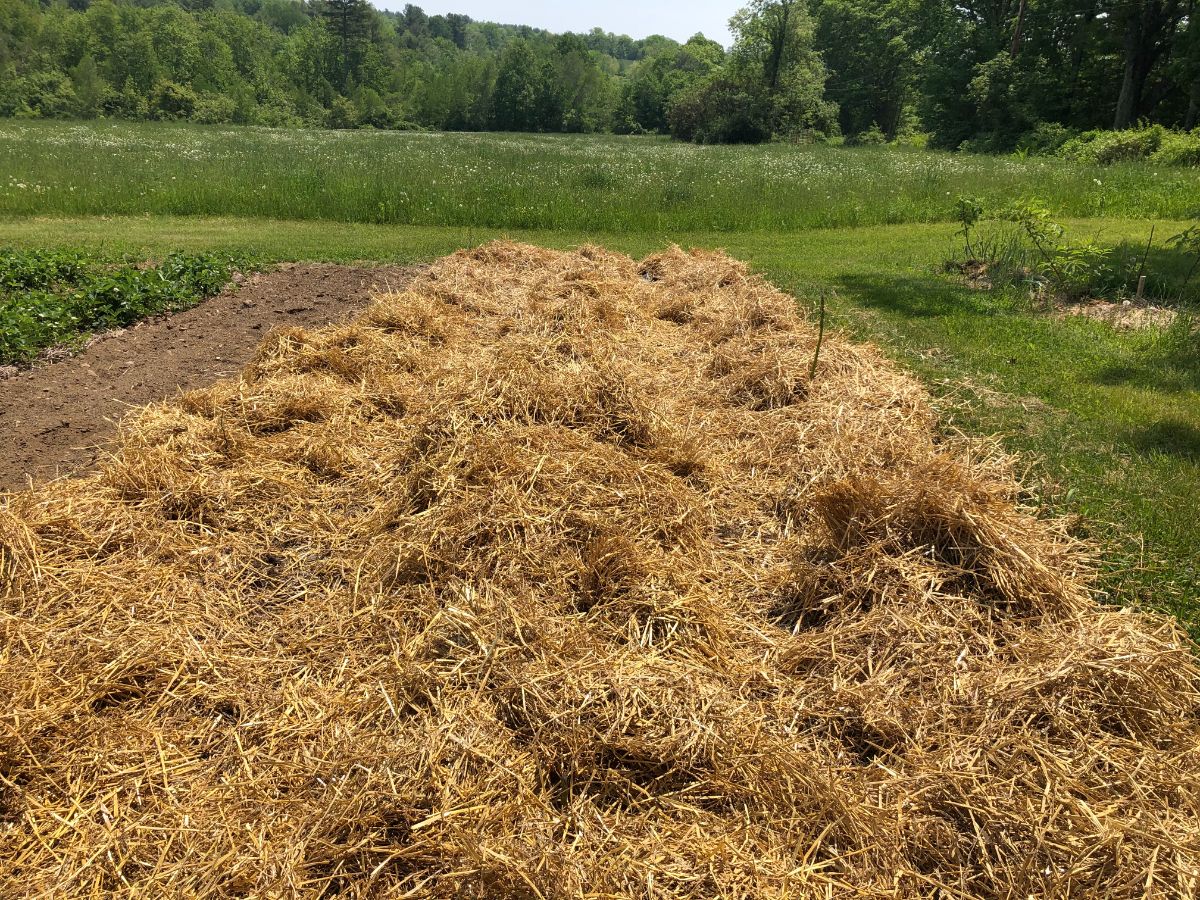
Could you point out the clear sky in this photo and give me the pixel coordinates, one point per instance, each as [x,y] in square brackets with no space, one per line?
[678,19]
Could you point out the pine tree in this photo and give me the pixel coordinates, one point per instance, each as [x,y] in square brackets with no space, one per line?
[89,87]
[351,22]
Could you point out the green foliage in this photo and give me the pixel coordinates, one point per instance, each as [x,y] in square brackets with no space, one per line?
[342,114]
[655,84]
[55,297]
[172,102]
[1068,268]
[1179,148]
[510,181]
[1045,139]
[771,86]
[1155,143]
[968,211]
[719,111]
[90,88]
[1104,148]
[214,109]
[520,87]
[329,63]
[872,137]
[872,50]
[1025,245]
[978,75]
[1187,244]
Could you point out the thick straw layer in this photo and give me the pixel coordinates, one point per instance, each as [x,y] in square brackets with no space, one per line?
[554,577]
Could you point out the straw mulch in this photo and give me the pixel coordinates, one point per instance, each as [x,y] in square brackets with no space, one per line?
[554,576]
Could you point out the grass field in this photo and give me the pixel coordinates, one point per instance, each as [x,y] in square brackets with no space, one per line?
[529,181]
[1107,422]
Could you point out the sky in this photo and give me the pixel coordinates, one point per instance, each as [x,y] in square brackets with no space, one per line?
[678,19]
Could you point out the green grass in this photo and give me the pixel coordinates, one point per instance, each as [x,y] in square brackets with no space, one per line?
[1107,422]
[613,184]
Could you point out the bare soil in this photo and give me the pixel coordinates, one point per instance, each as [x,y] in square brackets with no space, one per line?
[1126,314]
[56,417]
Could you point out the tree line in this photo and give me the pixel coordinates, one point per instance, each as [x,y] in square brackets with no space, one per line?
[981,74]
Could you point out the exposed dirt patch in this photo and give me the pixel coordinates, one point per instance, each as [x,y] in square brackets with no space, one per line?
[55,416]
[1126,314]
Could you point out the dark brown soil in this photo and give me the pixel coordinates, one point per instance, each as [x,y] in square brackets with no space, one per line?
[55,418]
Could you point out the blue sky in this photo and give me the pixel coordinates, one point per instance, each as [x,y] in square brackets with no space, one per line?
[678,19]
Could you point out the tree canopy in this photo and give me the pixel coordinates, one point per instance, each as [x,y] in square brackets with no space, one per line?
[984,74]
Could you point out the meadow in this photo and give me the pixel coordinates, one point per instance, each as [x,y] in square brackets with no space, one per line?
[614,184]
[1106,422]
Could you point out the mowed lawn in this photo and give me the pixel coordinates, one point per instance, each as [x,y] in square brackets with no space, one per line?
[1106,423]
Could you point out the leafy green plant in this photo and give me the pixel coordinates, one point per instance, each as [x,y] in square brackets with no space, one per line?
[1032,248]
[968,212]
[1187,242]
[1104,148]
[1179,149]
[49,298]
[1044,139]
[38,269]
[1072,268]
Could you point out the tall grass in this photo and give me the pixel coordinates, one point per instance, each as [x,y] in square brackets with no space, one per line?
[614,184]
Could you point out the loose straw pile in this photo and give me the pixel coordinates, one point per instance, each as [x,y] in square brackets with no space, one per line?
[556,576]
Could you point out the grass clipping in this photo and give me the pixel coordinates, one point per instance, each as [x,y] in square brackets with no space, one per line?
[553,576]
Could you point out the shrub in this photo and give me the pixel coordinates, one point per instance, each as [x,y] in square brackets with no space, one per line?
[1046,139]
[342,114]
[718,111]
[279,114]
[872,137]
[1031,248]
[1179,149]
[918,140]
[214,109]
[170,101]
[40,95]
[1104,148]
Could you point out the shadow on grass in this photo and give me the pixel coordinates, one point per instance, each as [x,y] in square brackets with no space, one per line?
[1172,436]
[1152,376]
[1169,365]
[918,297]
[1167,270]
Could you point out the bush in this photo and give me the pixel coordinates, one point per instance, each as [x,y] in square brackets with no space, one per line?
[282,115]
[40,95]
[1179,149]
[918,140]
[171,102]
[1046,139]
[718,111]
[214,109]
[872,137]
[1103,148]
[342,114]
